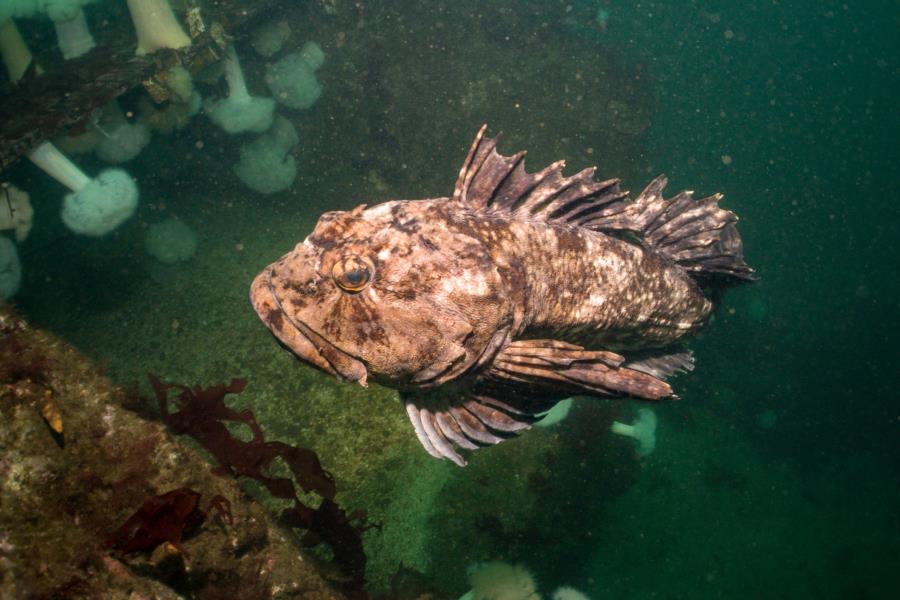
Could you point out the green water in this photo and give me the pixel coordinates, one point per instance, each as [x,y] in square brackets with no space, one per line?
[776,473]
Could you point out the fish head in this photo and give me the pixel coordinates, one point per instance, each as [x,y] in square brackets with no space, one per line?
[394,293]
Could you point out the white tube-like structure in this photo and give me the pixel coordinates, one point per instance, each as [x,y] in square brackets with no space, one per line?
[16,55]
[156,26]
[73,36]
[234,75]
[239,111]
[623,429]
[58,166]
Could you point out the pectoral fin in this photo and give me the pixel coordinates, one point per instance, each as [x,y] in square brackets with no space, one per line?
[531,376]
[552,365]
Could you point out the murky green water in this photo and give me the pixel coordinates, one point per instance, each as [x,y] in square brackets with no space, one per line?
[776,473]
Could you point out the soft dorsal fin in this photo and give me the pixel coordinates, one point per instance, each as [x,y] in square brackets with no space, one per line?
[697,234]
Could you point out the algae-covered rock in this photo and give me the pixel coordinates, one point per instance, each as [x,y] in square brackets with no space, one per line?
[75,465]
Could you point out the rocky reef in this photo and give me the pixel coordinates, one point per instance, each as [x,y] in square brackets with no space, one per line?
[99,501]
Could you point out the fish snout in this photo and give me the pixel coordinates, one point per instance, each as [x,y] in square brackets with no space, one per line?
[299,338]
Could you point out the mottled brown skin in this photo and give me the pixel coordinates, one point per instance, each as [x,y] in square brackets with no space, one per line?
[453,286]
[406,324]
[447,282]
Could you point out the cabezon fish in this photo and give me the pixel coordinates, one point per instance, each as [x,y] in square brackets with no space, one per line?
[485,308]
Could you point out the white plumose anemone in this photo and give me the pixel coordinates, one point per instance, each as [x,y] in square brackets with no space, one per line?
[103,204]
[170,241]
[643,431]
[266,165]
[292,80]
[239,111]
[72,32]
[16,56]
[120,139]
[269,38]
[16,213]
[96,206]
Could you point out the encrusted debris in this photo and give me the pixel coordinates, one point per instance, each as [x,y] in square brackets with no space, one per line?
[61,505]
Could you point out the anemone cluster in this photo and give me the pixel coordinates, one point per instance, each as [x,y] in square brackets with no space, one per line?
[95,204]
[266,164]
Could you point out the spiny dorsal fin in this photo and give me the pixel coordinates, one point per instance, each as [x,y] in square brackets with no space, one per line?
[489,180]
[697,234]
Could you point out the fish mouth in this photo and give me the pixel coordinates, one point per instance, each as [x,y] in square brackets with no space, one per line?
[299,338]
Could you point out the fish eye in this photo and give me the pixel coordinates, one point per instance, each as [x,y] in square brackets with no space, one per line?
[352,273]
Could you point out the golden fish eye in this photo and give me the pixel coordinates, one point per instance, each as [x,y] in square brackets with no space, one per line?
[351,273]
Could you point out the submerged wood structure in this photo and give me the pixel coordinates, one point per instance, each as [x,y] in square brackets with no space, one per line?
[39,106]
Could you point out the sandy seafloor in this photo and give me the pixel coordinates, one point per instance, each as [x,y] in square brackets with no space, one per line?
[775,474]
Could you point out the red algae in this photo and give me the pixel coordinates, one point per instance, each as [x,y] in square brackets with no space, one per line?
[203,415]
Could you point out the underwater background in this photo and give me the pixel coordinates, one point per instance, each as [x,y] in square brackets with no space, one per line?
[776,474]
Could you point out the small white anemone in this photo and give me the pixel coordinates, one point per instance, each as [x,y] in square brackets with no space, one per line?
[170,241]
[269,38]
[643,431]
[556,414]
[313,55]
[239,111]
[96,206]
[500,581]
[266,164]
[568,593]
[120,139]
[292,80]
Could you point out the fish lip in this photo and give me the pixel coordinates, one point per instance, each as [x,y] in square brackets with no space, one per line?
[328,357]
